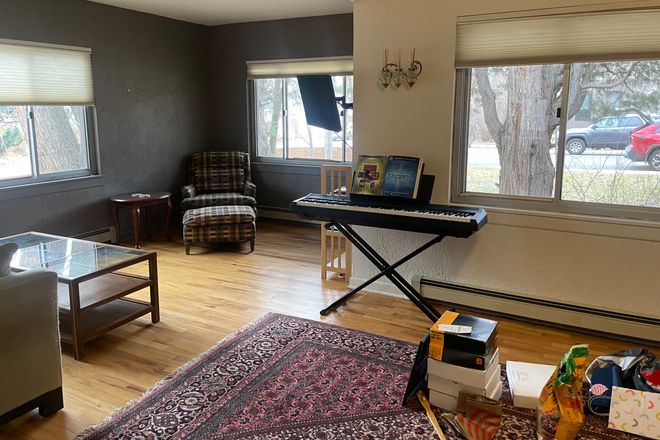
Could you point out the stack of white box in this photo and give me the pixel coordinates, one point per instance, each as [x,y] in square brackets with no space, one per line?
[446,380]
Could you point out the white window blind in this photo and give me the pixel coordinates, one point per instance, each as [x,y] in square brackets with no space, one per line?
[41,74]
[302,66]
[579,37]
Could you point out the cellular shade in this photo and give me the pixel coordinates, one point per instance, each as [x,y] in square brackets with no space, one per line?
[41,74]
[304,66]
[578,37]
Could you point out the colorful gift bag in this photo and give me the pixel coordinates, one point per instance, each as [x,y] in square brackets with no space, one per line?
[636,412]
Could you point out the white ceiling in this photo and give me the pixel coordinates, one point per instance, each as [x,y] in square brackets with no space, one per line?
[215,12]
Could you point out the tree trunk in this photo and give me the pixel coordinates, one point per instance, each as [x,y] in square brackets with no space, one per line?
[526,166]
[274,124]
[59,147]
[328,145]
[522,140]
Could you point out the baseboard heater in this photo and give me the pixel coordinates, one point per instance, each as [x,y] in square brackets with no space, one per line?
[589,320]
[103,235]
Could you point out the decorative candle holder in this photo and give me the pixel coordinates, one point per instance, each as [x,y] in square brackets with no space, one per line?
[395,73]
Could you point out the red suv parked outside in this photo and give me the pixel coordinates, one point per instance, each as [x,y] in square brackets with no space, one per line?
[645,145]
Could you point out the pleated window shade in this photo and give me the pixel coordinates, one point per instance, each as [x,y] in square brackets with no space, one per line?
[307,66]
[40,74]
[581,37]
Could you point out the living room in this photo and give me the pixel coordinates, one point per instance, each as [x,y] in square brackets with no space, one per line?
[165,89]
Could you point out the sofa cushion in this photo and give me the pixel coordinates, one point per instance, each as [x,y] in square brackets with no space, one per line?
[202,200]
[218,215]
[6,254]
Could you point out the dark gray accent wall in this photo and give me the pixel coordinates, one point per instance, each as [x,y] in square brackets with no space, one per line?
[232,46]
[152,81]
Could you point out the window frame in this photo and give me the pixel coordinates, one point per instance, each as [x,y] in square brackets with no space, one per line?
[459,195]
[253,137]
[10,188]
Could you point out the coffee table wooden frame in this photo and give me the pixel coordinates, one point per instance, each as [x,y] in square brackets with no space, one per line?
[94,304]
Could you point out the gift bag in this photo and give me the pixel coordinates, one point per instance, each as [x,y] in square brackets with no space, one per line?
[559,413]
[477,418]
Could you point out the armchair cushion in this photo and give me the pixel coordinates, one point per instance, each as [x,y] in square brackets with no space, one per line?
[219,171]
[217,199]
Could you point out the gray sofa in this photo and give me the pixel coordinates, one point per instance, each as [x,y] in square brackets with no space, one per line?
[30,354]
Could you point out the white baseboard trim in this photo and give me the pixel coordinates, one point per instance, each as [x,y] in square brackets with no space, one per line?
[381,287]
[595,321]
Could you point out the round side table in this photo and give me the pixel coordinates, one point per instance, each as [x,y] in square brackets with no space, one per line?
[134,202]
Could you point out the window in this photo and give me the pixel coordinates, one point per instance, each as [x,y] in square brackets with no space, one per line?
[512,117]
[46,113]
[40,143]
[279,127]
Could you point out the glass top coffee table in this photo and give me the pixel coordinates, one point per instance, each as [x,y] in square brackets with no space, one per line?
[91,294]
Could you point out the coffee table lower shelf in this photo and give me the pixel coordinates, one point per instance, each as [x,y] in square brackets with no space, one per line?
[104,318]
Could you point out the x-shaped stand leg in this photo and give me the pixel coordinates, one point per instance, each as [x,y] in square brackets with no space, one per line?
[387,270]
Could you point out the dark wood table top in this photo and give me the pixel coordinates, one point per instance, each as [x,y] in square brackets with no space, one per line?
[129,198]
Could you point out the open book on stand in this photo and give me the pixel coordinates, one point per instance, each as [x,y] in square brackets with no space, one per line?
[390,176]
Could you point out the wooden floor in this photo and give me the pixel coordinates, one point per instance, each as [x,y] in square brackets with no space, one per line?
[215,291]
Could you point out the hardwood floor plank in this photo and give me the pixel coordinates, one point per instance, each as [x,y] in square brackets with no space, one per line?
[217,290]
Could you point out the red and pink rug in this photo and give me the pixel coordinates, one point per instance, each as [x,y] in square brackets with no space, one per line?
[291,378]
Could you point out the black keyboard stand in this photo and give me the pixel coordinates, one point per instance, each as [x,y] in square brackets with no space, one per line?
[386,269]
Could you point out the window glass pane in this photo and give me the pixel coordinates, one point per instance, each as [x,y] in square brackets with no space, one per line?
[349,120]
[614,161]
[512,130]
[305,141]
[15,159]
[60,135]
[270,128]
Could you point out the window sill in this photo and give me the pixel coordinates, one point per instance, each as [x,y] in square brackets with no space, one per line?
[631,229]
[313,163]
[41,188]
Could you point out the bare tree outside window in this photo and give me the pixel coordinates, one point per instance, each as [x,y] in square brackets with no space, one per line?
[513,131]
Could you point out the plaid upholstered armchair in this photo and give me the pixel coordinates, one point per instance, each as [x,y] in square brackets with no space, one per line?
[219,178]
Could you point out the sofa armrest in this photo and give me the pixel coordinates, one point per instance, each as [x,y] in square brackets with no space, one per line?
[189,191]
[250,189]
[30,352]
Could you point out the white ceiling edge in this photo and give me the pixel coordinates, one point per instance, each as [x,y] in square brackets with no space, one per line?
[218,12]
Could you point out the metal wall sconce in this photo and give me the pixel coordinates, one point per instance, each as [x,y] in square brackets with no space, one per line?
[394,73]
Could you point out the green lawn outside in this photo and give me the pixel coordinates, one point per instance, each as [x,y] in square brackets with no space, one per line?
[621,188]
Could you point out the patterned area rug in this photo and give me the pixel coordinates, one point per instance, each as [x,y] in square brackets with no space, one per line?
[290,378]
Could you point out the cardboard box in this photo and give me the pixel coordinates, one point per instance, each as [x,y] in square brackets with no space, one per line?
[481,340]
[447,402]
[452,387]
[636,412]
[467,376]
[526,382]
[461,358]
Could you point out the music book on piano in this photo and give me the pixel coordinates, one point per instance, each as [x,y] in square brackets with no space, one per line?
[388,176]
[402,176]
[369,175]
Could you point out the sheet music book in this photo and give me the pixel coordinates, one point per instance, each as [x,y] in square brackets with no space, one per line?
[389,176]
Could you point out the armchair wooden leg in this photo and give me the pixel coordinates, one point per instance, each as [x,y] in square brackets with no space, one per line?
[252,244]
[187,249]
[52,402]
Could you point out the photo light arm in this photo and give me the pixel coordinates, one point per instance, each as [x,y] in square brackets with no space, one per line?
[342,101]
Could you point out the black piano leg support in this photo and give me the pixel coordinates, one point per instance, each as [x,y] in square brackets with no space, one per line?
[387,270]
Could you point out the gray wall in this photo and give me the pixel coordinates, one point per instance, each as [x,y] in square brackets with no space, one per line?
[232,46]
[145,133]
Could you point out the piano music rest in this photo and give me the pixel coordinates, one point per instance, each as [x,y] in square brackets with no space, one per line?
[439,220]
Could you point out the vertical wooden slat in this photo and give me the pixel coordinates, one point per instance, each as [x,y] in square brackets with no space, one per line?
[331,259]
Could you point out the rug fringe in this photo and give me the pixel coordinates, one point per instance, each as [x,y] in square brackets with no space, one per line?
[169,377]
